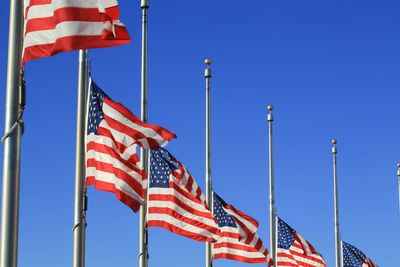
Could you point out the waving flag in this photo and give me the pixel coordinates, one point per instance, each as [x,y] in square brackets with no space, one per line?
[175,201]
[54,26]
[353,257]
[239,240]
[113,134]
[294,250]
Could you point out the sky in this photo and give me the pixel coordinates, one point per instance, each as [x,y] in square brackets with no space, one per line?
[330,69]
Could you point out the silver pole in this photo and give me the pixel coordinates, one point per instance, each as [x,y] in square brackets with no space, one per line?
[79,228]
[272,227]
[337,237]
[12,144]
[341,250]
[398,175]
[207,75]
[143,240]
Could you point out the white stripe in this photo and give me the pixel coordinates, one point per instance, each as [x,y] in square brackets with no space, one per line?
[64,29]
[119,184]
[40,11]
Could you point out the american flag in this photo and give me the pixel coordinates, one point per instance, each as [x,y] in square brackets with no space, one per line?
[54,26]
[113,135]
[353,257]
[175,201]
[294,250]
[239,240]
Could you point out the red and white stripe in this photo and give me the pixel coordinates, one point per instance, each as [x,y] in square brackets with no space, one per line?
[181,208]
[110,170]
[231,248]
[54,26]
[127,129]
[301,253]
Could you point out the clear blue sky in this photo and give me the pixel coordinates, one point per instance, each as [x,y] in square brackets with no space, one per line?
[331,69]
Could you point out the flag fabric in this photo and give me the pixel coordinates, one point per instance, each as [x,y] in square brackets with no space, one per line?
[55,26]
[294,250]
[113,135]
[353,257]
[175,201]
[239,240]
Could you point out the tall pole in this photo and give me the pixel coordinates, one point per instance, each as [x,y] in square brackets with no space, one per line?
[398,175]
[337,235]
[143,240]
[272,219]
[12,144]
[79,228]
[207,75]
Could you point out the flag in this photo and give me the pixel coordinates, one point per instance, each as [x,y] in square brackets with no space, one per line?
[239,239]
[113,135]
[353,257]
[54,26]
[294,250]
[175,201]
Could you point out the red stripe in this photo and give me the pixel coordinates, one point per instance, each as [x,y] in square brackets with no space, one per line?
[235,246]
[131,162]
[164,133]
[239,258]
[119,174]
[121,196]
[174,229]
[173,213]
[230,235]
[176,201]
[63,15]
[70,43]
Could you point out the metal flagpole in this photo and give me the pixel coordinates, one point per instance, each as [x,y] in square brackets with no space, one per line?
[398,175]
[337,237]
[79,228]
[12,140]
[272,220]
[207,75]
[143,240]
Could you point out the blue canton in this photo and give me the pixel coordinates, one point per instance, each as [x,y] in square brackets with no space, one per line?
[285,235]
[161,166]
[222,217]
[95,112]
[352,257]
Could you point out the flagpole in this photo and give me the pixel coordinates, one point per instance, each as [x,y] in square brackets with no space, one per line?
[207,75]
[337,237]
[143,237]
[79,228]
[398,175]
[272,227]
[12,141]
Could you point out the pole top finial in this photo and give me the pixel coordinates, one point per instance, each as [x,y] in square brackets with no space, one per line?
[207,61]
[270,108]
[334,141]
